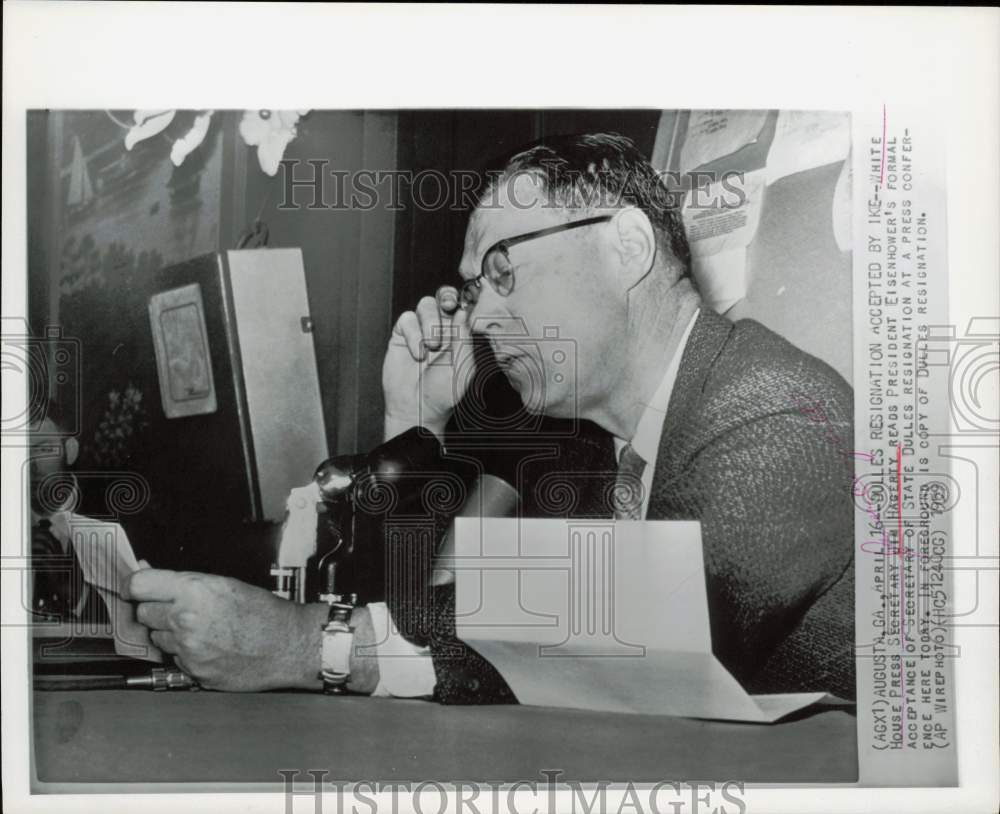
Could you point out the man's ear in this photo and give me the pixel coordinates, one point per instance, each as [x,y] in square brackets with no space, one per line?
[635,245]
[72,448]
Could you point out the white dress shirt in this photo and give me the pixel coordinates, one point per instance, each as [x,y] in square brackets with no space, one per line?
[646,441]
[407,671]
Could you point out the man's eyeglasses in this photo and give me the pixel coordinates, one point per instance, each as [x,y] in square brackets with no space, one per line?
[497,268]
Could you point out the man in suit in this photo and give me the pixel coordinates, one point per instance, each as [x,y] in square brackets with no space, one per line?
[687,414]
[706,417]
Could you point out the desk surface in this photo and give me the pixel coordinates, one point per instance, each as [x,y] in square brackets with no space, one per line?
[145,737]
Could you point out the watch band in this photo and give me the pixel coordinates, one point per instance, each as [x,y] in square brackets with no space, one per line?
[338,642]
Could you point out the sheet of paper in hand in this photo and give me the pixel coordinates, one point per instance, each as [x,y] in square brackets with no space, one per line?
[599,615]
[107,561]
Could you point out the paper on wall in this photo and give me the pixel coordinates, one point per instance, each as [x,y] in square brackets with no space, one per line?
[724,215]
[107,560]
[666,134]
[842,211]
[807,139]
[721,278]
[605,615]
[721,220]
[712,134]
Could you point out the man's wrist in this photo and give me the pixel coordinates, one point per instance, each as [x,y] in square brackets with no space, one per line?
[364,659]
[309,645]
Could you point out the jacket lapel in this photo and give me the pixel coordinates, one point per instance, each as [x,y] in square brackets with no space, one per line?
[708,336]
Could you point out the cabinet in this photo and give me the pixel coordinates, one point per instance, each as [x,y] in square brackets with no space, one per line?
[235,406]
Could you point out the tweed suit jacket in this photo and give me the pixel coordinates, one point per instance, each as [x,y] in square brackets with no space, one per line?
[771,482]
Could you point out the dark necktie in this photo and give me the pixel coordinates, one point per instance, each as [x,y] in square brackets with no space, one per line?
[628,495]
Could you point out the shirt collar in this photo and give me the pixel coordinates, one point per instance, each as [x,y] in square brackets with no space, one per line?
[646,441]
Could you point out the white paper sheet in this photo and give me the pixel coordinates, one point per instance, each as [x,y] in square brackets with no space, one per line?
[107,560]
[807,139]
[599,615]
[298,534]
[712,134]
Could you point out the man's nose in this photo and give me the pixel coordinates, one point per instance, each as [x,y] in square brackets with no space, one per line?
[496,326]
[491,317]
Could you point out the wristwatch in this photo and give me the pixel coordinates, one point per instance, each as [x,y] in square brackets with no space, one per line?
[338,642]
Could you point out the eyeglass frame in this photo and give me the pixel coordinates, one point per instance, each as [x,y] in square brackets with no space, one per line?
[507,243]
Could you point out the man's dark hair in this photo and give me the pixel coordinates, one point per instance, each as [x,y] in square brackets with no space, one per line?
[606,169]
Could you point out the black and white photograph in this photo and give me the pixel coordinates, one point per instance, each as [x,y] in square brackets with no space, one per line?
[543,456]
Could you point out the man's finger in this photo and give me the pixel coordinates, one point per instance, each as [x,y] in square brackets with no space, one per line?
[165,640]
[154,615]
[431,322]
[464,358]
[182,666]
[447,299]
[408,327]
[153,585]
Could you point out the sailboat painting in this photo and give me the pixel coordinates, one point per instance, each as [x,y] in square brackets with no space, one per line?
[81,190]
[137,198]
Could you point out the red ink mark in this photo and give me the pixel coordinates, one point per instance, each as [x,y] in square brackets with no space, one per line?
[881,179]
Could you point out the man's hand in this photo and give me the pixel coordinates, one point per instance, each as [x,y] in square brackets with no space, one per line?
[229,635]
[427,368]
